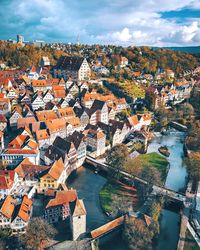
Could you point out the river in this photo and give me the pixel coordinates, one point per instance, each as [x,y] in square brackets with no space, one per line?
[88,185]
[176,180]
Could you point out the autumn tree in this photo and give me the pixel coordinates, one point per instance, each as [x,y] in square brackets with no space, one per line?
[116,157]
[193,165]
[187,110]
[195,99]
[134,166]
[82,245]
[136,234]
[38,233]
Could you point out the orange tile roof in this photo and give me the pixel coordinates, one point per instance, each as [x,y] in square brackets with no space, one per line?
[56,124]
[42,134]
[133,120]
[59,91]
[25,121]
[40,83]
[54,81]
[90,96]
[18,141]
[66,112]
[21,151]
[8,207]
[63,198]
[137,73]
[58,88]
[146,117]
[107,227]
[32,144]
[75,122]
[56,169]
[25,209]
[45,115]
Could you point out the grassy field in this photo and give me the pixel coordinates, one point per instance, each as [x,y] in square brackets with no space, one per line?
[190,243]
[155,160]
[113,191]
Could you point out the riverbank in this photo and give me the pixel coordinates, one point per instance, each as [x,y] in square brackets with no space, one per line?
[176,180]
[155,160]
[113,193]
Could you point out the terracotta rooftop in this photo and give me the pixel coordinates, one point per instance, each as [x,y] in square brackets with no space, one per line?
[21,151]
[8,207]
[23,122]
[6,179]
[56,170]
[107,227]
[133,120]
[45,115]
[42,134]
[63,198]
[25,209]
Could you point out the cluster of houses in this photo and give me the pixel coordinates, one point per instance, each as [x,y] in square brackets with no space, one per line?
[167,94]
[48,126]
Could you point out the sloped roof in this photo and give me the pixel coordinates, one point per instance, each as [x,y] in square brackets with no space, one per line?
[133,120]
[6,179]
[8,207]
[107,227]
[76,138]
[42,134]
[56,170]
[25,209]
[25,121]
[71,63]
[45,115]
[63,197]
[77,208]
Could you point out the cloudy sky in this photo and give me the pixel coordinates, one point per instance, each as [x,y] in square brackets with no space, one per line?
[124,22]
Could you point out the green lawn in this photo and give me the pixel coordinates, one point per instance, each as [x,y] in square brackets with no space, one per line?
[190,243]
[112,191]
[155,160]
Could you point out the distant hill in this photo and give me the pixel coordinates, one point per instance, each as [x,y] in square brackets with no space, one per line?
[192,50]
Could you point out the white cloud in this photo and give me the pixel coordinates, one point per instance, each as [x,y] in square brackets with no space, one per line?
[138,22]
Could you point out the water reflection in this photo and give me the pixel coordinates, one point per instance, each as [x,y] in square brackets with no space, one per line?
[176,180]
